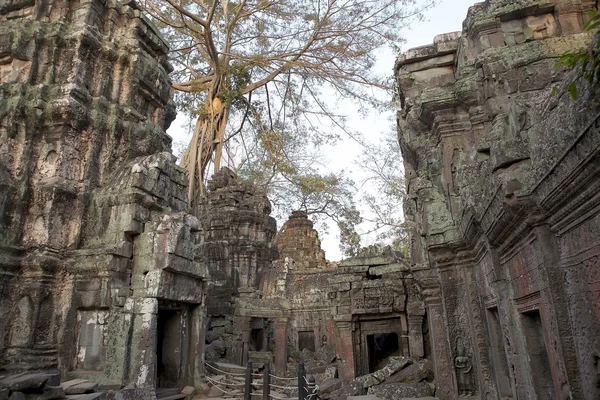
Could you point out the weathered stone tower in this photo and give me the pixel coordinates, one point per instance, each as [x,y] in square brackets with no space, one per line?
[503,181]
[236,246]
[97,257]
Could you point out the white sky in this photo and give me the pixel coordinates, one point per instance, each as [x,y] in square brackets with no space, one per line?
[447,16]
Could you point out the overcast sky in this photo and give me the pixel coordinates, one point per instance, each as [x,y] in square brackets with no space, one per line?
[447,16]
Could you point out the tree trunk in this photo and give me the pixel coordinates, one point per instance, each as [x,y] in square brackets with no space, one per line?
[206,140]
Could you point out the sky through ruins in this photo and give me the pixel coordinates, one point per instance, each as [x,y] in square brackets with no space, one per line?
[447,16]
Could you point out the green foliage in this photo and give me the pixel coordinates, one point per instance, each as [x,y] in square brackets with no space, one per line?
[586,58]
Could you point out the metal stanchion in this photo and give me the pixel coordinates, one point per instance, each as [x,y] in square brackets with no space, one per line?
[248,382]
[301,382]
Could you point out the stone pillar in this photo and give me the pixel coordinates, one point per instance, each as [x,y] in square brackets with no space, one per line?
[143,357]
[242,325]
[442,352]
[345,350]
[197,345]
[280,346]
[415,336]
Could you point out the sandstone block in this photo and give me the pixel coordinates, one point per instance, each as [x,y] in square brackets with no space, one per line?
[330,385]
[395,391]
[49,393]
[388,269]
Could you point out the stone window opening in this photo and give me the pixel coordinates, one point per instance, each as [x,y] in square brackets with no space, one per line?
[380,347]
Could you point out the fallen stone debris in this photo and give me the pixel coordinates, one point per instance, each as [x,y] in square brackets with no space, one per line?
[399,378]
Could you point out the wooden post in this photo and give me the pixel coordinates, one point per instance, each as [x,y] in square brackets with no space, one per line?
[301,382]
[248,382]
[267,382]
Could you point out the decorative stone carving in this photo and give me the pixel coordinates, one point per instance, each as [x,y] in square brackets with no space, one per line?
[94,220]
[464,370]
[498,169]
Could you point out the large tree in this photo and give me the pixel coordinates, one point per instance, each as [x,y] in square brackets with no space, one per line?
[262,65]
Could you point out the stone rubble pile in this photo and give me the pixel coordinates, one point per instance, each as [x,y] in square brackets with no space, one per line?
[399,378]
[31,386]
[47,386]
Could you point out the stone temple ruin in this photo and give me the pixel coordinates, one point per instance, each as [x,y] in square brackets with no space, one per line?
[107,277]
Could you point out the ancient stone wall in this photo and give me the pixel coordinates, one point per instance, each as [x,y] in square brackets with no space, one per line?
[502,183]
[292,297]
[97,250]
[373,296]
[237,246]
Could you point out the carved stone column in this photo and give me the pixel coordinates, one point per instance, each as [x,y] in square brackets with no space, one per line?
[280,346]
[345,350]
[415,336]
[442,353]
[242,325]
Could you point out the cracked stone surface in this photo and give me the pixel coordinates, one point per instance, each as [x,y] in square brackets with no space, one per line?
[501,176]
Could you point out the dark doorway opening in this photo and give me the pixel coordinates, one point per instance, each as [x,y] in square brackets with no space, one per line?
[168,348]
[426,338]
[306,340]
[381,346]
[257,339]
[538,357]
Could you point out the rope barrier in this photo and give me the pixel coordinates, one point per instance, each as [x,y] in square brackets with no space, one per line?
[224,372]
[216,382]
[283,379]
[229,380]
[283,387]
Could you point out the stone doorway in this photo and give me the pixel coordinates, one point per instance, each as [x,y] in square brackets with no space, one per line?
[539,362]
[376,339]
[170,349]
[306,340]
[258,337]
[381,346]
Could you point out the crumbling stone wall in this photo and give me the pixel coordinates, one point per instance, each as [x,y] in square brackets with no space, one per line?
[375,294]
[96,245]
[502,183]
[236,245]
[291,306]
[319,306]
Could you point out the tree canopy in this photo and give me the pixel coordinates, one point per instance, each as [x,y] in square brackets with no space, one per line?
[259,77]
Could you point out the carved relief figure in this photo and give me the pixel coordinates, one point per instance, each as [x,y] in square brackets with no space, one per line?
[464,369]
[324,341]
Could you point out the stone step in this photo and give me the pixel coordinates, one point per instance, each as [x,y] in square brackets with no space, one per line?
[172,397]
[79,386]
[165,392]
[72,382]
[29,381]
[87,396]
